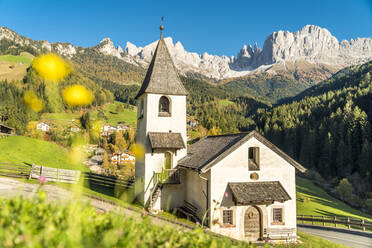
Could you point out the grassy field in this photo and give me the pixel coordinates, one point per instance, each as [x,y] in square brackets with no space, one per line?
[312,200]
[14,67]
[60,119]
[21,150]
[24,58]
[60,116]
[225,102]
[129,116]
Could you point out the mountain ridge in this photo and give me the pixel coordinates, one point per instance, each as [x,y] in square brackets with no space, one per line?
[312,44]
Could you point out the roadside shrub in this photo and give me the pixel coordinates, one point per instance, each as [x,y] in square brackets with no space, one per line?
[345,190]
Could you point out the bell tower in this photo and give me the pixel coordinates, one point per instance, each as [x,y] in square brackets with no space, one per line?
[161,121]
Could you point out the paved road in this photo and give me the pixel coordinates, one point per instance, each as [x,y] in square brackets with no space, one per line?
[339,236]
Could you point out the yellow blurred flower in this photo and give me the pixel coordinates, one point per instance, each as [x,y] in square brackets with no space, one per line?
[51,67]
[139,151]
[31,99]
[77,95]
[76,153]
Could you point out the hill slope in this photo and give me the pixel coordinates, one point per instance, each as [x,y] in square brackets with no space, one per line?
[21,150]
[312,200]
[329,129]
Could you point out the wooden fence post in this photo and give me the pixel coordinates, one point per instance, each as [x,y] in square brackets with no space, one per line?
[334,220]
[323,221]
[363,226]
[32,168]
[348,223]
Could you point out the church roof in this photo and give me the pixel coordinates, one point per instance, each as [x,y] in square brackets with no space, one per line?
[166,140]
[161,76]
[258,192]
[208,151]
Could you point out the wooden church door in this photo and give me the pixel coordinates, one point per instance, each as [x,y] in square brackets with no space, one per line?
[252,224]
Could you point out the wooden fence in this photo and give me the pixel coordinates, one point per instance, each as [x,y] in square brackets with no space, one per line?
[335,221]
[15,170]
[107,181]
[104,182]
[34,171]
[55,174]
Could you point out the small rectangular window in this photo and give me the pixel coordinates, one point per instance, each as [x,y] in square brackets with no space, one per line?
[254,158]
[277,215]
[227,217]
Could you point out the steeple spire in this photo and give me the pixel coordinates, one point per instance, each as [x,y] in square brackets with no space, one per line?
[161,27]
[162,76]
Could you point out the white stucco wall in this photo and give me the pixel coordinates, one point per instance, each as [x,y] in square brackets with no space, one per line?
[151,122]
[234,168]
[196,191]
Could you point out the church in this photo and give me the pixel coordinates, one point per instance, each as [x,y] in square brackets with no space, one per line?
[239,185]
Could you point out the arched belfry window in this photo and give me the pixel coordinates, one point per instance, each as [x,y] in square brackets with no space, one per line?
[164,106]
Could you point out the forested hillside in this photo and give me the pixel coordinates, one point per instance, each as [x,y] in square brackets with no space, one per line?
[15,113]
[328,129]
[103,67]
[265,86]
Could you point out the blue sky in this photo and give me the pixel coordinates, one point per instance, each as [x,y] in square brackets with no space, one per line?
[216,27]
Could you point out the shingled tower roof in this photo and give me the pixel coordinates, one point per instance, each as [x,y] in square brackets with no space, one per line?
[161,76]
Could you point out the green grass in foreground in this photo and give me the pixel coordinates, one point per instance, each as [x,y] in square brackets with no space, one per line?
[24,58]
[312,200]
[306,239]
[21,150]
[35,222]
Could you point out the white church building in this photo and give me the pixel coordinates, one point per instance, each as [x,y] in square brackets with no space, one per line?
[239,185]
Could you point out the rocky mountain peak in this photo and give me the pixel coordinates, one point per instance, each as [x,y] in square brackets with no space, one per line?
[106,46]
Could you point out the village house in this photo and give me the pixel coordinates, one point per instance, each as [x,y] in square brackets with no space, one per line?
[107,129]
[239,185]
[191,122]
[5,130]
[42,126]
[122,157]
[75,128]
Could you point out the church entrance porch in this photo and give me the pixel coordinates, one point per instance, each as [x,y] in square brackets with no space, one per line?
[253,223]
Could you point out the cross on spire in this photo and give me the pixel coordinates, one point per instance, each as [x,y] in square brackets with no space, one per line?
[161,27]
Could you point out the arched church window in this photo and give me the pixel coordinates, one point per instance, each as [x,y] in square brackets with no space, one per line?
[164,106]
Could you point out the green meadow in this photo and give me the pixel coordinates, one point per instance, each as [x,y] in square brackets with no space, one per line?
[313,200]
[25,150]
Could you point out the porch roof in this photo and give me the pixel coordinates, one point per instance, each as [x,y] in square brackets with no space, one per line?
[166,140]
[258,192]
